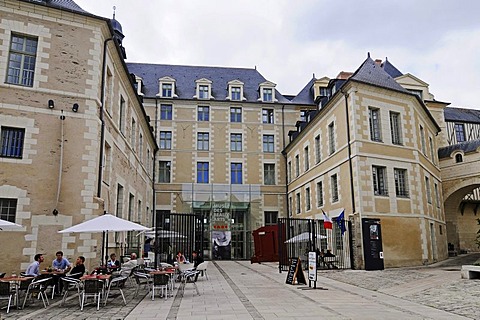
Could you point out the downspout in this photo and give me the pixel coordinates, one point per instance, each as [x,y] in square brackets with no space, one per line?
[154,202]
[102,120]
[286,177]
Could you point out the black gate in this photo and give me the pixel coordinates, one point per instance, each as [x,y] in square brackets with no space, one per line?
[297,237]
[178,232]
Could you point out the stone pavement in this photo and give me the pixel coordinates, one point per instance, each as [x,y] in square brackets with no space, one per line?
[240,290]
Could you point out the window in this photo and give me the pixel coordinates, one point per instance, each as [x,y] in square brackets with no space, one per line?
[334,183]
[307,161]
[202,172]
[318,155]
[289,171]
[267,115]
[236,93]
[165,140]
[422,139]
[270,218]
[235,114]
[380,187]
[297,166]
[21,61]
[12,142]
[235,142]
[374,122]
[458,158]
[307,199]
[131,207]
[203,113]
[331,138]
[432,150]
[319,194]
[133,137]
[401,186]
[269,173]
[203,91]
[395,128]
[167,90]
[297,204]
[236,173]
[268,143]
[419,93]
[121,118]
[267,94]
[107,163]
[140,146]
[166,112]
[437,195]
[460,132]
[119,212]
[429,193]
[290,206]
[304,115]
[203,141]
[8,209]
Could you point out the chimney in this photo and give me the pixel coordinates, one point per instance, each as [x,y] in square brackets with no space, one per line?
[378,61]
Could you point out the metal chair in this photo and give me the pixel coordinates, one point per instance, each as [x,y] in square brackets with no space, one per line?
[37,286]
[6,292]
[142,278]
[92,288]
[202,267]
[2,274]
[118,284]
[190,276]
[160,281]
[71,284]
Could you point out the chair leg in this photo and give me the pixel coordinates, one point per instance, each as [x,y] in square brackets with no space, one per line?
[206,274]
[97,295]
[9,301]
[83,302]
[25,300]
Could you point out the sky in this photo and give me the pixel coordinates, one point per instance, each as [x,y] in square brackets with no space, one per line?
[289,41]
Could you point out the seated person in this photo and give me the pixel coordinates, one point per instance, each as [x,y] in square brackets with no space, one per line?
[34,268]
[79,269]
[61,263]
[129,265]
[197,259]
[180,258]
[113,263]
[329,260]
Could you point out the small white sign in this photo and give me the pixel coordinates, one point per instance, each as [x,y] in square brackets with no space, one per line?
[312,266]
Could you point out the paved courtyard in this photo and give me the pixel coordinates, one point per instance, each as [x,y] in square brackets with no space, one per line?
[240,290]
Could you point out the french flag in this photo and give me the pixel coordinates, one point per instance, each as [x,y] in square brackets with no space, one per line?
[327,222]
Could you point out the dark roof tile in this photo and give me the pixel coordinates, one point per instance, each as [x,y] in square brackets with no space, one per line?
[462,115]
[372,73]
[467,146]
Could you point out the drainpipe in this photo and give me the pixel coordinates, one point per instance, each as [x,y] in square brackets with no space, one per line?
[102,111]
[154,203]
[286,173]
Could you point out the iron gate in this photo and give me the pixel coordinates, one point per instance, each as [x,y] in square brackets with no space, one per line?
[178,232]
[297,237]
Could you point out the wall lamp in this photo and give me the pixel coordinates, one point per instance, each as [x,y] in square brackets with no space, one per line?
[51,105]
[75,107]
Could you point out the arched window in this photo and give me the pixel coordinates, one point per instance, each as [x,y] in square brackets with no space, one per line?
[458,158]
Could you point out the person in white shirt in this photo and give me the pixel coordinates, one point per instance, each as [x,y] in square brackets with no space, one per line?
[34,268]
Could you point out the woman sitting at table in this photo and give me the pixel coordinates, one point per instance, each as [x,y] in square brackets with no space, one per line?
[180,257]
[113,263]
[79,268]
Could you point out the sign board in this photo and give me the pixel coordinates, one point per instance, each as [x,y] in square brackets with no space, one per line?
[312,266]
[295,273]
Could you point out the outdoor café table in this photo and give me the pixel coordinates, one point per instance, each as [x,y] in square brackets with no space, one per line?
[169,272]
[16,281]
[56,274]
[103,277]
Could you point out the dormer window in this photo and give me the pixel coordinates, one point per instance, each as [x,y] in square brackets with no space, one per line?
[139,85]
[235,91]
[267,91]
[204,89]
[166,88]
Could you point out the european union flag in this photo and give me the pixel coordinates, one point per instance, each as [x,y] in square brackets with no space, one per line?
[341,222]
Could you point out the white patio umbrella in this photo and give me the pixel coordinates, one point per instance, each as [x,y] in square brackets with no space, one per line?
[304,237]
[162,234]
[7,225]
[105,223]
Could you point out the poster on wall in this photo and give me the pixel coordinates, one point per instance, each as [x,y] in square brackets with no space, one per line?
[221,245]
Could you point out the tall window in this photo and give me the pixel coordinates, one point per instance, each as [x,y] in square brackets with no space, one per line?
[289,171]
[460,132]
[166,112]
[203,141]
[203,113]
[297,204]
[236,93]
[458,158]
[432,149]
[236,173]
[320,194]
[429,191]
[374,121]
[318,155]
[401,186]
[306,158]
[267,94]
[167,90]
[269,173]
[119,211]
[202,172]
[268,143]
[267,115]
[164,171]
[331,138]
[133,136]
[8,209]
[203,92]
[395,128]
[297,165]
[380,187]
[437,195]
[290,206]
[270,218]
[12,142]
[121,118]
[422,139]
[21,61]
[307,199]
[140,146]
[235,142]
[107,163]
[334,184]
[165,140]
[235,114]
[131,206]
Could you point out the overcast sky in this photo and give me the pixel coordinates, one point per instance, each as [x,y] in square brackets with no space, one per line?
[290,40]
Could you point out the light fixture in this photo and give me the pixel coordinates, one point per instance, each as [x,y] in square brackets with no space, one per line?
[75,107]
[51,105]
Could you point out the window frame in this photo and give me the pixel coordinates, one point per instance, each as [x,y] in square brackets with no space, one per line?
[8,209]
[308,199]
[203,172]
[235,114]
[203,141]
[268,116]
[167,90]
[331,138]
[318,155]
[267,94]
[12,142]
[203,113]
[236,173]
[375,124]
[306,158]
[320,200]
[395,128]
[380,181]
[165,140]
[401,182]
[459,132]
[268,143]
[334,188]
[269,174]
[166,111]
[21,61]
[236,142]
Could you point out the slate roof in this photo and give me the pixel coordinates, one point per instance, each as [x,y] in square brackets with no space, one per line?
[391,69]
[62,4]
[467,146]
[185,76]
[305,96]
[462,115]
